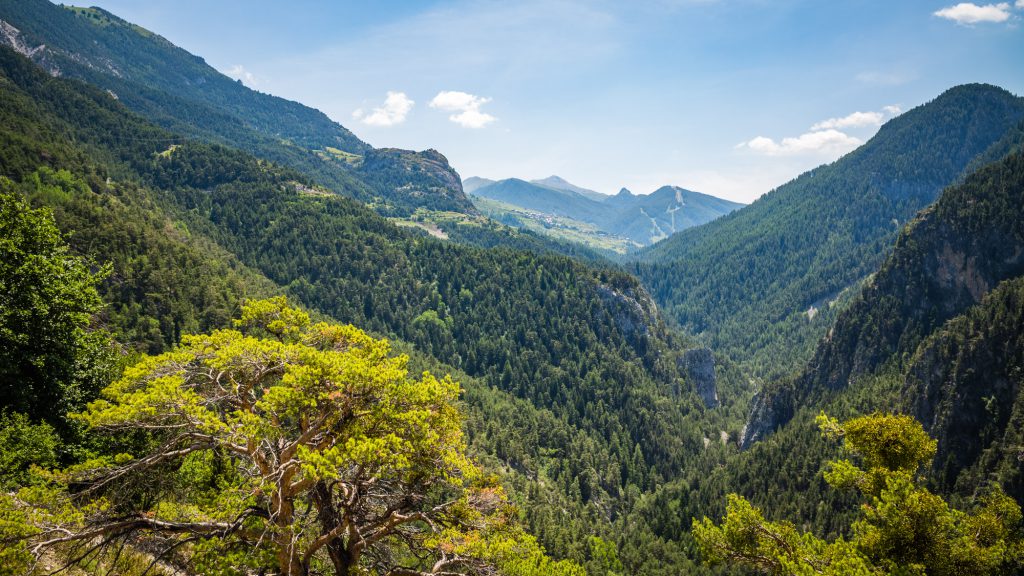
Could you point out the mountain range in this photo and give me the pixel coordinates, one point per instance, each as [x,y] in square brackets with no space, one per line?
[614,402]
[639,219]
[764,283]
[181,92]
[190,230]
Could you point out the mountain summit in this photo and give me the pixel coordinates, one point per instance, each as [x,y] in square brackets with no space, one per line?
[559,183]
[753,282]
[639,219]
[181,92]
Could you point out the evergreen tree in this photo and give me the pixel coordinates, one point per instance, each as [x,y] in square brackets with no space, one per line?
[903,528]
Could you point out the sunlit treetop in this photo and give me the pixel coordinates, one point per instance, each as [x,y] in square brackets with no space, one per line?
[291,446]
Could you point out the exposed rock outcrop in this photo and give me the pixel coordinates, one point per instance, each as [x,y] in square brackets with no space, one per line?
[11,36]
[770,408]
[965,385]
[944,262]
[425,178]
[634,311]
[699,366]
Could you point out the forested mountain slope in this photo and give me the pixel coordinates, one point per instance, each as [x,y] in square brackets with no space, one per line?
[179,91]
[532,196]
[164,280]
[606,432]
[944,262]
[578,392]
[936,334]
[759,282]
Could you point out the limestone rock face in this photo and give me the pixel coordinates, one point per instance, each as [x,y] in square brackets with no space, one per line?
[945,262]
[699,365]
[408,178]
[633,310]
[769,410]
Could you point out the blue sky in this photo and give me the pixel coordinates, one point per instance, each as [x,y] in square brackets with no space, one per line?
[728,97]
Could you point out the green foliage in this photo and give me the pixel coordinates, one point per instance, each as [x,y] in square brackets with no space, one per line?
[572,387]
[163,281]
[24,445]
[746,281]
[605,555]
[49,360]
[180,92]
[248,429]
[943,264]
[976,359]
[903,528]
[887,444]
[776,548]
[15,558]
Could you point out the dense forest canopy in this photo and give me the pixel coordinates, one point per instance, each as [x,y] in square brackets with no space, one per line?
[224,321]
[749,281]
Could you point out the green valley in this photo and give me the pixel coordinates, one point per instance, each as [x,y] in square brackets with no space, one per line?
[238,339]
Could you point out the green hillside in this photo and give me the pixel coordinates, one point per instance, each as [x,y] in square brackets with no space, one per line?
[946,352]
[227,328]
[761,284]
[572,382]
[944,262]
[182,93]
[920,339]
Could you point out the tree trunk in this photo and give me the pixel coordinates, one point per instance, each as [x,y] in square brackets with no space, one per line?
[289,561]
[329,518]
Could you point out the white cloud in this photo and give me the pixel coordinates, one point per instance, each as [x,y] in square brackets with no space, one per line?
[1019,4]
[854,120]
[823,142]
[467,107]
[967,13]
[825,137]
[396,107]
[238,72]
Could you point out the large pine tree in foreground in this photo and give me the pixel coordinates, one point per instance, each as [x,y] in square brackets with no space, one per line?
[282,446]
[903,529]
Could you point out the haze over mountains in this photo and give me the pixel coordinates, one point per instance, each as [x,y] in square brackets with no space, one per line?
[641,219]
[614,402]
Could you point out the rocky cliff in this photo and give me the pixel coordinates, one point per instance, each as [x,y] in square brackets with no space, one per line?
[699,366]
[406,178]
[944,262]
[966,384]
[634,312]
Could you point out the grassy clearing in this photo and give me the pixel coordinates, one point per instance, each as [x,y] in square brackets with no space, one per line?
[558,227]
[331,153]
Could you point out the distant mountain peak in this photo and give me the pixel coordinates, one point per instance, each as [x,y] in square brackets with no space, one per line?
[641,219]
[553,180]
[474,182]
[559,183]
